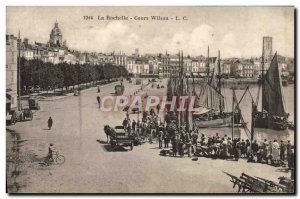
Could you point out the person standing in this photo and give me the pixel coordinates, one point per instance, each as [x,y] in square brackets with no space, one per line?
[243,148]
[180,148]
[125,123]
[254,147]
[238,149]
[158,108]
[50,123]
[129,129]
[248,152]
[133,126]
[291,158]
[175,146]
[275,150]
[188,144]
[99,100]
[166,140]
[282,150]
[160,139]
[288,148]
[194,141]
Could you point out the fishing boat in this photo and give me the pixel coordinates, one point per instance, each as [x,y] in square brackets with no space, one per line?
[209,104]
[273,112]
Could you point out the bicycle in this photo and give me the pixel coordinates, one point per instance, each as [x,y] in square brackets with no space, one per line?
[55,159]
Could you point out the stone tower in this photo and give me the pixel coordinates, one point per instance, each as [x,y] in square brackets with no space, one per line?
[56,36]
[267,48]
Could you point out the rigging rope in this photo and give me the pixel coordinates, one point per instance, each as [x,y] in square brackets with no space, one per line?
[247,131]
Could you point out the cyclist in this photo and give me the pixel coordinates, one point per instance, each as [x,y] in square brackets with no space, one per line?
[49,157]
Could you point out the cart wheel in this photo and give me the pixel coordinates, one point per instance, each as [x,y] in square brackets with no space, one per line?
[131,146]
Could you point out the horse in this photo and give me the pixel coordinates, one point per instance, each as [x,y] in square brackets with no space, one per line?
[108,131]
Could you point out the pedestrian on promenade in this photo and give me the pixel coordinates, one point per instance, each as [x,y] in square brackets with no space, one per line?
[195,141]
[160,139]
[181,148]
[166,140]
[254,147]
[282,150]
[98,89]
[158,108]
[243,148]
[133,126]
[129,129]
[125,122]
[99,100]
[291,158]
[248,152]
[188,144]
[175,146]
[238,149]
[50,123]
[275,151]
[288,148]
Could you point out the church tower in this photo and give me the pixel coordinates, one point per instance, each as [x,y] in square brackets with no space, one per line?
[56,36]
[267,48]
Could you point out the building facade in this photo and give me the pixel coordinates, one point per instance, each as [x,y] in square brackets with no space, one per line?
[11,71]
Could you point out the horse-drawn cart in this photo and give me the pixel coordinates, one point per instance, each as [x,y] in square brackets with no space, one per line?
[118,137]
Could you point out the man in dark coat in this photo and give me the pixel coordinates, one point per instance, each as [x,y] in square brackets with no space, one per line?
[50,123]
[175,146]
[99,100]
[282,150]
[160,139]
[291,158]
[166,140]
[158,108]
[288,148]
[133,126]
[181,148]
[194,141]
[125,123]
[254,147]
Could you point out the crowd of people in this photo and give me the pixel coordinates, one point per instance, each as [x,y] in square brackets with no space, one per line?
[179,142]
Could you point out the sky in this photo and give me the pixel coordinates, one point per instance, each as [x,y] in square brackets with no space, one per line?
[235,31]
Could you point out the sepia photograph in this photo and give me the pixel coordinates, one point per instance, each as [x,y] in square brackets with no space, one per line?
[150,100]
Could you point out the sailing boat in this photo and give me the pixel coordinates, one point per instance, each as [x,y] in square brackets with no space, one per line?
[209,104]
[273,114]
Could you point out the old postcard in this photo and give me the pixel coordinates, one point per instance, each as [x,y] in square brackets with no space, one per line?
[150,100]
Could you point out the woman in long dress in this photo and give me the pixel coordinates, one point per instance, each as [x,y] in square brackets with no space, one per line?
[275,150]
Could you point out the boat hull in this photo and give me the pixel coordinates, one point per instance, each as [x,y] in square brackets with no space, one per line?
[216,123]
[267,123]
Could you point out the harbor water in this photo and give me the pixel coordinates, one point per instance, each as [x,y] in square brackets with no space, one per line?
[245,105]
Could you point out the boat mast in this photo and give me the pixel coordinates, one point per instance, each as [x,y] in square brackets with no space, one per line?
[19,73]
[207,65]
[262,75]
[187,125]
[219,82]
[252,124]
[232,129]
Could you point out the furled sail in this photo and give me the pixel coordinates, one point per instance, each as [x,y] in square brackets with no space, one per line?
[272,98]
[209,98]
